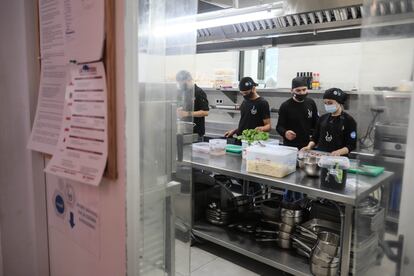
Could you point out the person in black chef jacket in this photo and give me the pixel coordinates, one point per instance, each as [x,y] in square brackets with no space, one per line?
[336,131]
[254,110]
[297,116]
[193,106]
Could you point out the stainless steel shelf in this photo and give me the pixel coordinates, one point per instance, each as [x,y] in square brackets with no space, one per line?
[270,254]
[357,188]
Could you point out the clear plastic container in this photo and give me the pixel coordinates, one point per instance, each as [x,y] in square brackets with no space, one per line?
[218,146]
[202,147]
[276,161]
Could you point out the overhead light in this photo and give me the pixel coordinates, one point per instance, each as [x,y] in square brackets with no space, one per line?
[219,18]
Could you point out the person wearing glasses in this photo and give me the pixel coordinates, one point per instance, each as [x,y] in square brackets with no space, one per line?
[297,116]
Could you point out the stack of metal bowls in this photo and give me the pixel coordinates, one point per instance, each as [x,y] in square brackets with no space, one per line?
[291,216]
[324,258]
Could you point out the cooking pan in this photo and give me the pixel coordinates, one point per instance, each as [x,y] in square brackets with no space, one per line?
[325,250]
[283,227]
[270,209]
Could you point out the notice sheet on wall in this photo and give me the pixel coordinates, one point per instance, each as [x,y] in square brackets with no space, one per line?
[46,126]
[70,30]
[83,145]
[74,211]
[84,29]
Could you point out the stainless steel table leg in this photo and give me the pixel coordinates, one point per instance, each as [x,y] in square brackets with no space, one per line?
[245,188]
[347,240]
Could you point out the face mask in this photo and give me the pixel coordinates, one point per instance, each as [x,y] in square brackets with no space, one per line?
[182,86]
[248,96]
[300,97]
[331,108]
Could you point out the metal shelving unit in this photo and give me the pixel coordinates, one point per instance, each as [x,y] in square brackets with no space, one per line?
[267,253]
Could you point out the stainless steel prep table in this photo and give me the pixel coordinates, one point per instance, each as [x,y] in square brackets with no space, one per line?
[357,188]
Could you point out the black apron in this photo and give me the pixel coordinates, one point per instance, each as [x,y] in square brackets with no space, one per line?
[332,134]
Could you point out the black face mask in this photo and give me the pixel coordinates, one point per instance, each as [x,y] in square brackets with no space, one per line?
[248,96]
[300,97]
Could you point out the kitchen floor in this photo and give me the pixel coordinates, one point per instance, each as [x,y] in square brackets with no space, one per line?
[213,260]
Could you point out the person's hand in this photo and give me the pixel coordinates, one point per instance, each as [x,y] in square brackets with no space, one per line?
[259,128]
[181,113]
[336,153]
[290,135]
[229,133]
[307,148]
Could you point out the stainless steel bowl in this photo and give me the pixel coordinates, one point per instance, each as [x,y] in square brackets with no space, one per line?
[311,167]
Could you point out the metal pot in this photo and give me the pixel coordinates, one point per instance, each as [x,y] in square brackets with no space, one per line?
[328,242]
[323,271]
[292,213]
[292,220]
[322,259]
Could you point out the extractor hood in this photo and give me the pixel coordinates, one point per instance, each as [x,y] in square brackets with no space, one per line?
[305,17]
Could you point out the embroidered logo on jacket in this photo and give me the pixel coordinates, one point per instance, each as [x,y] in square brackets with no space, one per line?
[328,138]
[253,110]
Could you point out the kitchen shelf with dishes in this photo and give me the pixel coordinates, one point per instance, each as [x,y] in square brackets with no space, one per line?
[290,220]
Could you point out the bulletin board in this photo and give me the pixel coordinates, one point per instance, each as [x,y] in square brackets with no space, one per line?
[108,58]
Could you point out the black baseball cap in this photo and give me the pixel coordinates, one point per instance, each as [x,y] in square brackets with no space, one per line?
[246,83]
[299,82]
[335,94]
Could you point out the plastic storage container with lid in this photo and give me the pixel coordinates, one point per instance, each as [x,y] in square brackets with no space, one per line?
[201,147]
[218,146]
[276,161]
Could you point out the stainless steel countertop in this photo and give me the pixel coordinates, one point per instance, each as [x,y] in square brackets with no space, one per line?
[357,186]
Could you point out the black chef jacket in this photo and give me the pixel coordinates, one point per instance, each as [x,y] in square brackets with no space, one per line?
[252,114]
[300,117]
[335,132]
[197,103]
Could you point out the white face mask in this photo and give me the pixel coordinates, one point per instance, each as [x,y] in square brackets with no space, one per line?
[331,108]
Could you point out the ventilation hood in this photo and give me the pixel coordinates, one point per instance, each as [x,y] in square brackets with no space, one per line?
[341,18]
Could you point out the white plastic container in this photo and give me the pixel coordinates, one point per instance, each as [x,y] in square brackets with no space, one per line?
[276,161]
[273,142]
[202,147]
[218,146]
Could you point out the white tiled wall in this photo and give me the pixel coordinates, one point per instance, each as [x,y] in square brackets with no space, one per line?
[360,64]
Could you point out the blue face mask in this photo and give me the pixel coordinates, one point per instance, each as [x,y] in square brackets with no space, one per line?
[331,108]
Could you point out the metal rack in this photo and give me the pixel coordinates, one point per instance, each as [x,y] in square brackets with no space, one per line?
[357,189]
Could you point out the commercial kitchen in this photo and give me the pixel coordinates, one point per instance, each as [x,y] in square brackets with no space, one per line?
[281,218]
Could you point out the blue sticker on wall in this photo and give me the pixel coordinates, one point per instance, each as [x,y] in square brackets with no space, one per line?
[353,134]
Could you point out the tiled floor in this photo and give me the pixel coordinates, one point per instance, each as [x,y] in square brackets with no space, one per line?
[212,260]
